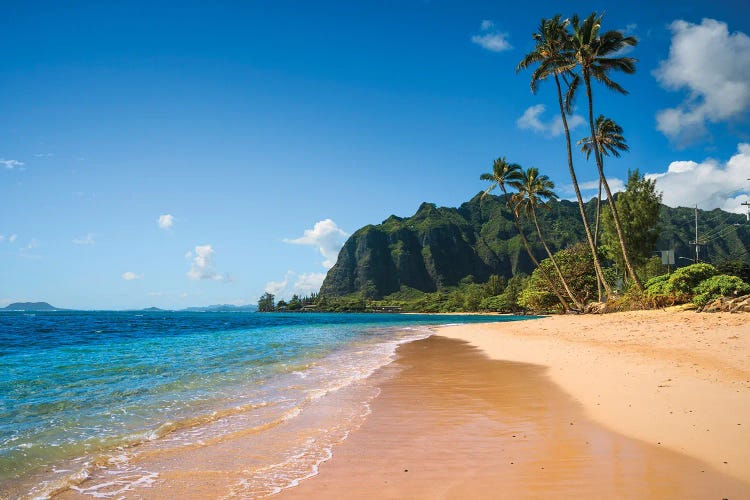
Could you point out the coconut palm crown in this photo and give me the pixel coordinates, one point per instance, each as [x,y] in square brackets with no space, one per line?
[502,173]
[608,136]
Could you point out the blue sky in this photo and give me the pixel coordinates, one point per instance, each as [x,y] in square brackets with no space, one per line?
[269,131]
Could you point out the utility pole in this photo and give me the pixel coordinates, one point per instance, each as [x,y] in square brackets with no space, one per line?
[747,204]
[696,242]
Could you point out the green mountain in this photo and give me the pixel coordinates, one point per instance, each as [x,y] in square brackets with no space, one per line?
[438,247]
[31,306]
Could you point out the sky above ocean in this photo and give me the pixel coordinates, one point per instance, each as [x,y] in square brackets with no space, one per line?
[177,154]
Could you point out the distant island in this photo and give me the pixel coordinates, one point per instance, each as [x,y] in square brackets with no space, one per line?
[223,308]
[31,306]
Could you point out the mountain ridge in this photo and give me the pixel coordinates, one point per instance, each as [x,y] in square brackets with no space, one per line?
[437,247]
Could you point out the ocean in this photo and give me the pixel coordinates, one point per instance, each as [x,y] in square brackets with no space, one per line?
[94,402]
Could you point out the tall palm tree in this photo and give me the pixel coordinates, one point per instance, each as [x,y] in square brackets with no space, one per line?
[534,191]
[554,58]
[506,173]
[611,142]
[596,54]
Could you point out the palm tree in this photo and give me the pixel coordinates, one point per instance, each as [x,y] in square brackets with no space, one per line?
[554,58]
[611,142]
[506,173]
[534,191]
[597,55]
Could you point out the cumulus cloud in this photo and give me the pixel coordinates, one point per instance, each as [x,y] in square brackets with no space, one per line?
[709,184]
[327,236]
[590,189]
[490,39]
[165,221]
[713,66]
[615,185]
[295,284]
[12,238]
[84,240]
[531,119]
[308,283]
[11,164]
[277,287]
[130,276]
[202,265]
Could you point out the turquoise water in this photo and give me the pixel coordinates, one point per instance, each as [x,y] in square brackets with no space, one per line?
[74,386]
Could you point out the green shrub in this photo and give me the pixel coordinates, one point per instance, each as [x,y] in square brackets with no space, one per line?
[660,292]
[656,280]
[536,300]
[686,278]
[722,285]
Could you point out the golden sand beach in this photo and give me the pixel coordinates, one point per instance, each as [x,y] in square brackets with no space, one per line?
[648,404]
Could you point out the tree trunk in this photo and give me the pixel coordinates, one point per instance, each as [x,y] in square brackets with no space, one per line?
[603,179]
[596,227]
[592,241]
[526,245]
[554,262]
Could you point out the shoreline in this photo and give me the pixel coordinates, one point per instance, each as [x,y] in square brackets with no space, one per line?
[452,422]
[676,379]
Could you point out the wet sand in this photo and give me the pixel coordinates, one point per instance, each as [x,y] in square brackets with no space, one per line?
[451,422]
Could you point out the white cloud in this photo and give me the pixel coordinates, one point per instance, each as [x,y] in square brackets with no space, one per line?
[494,41]
[487,25]
[713,66]
[279,288]
[615,185]
[2,237]
[11,164]
[130,276]
[327,236]
[531,119]
[709,184]
[12,238]
[308,283]
[43,155]
[589,189]
[84,240]
[202,265]
[165,221]
[304,284]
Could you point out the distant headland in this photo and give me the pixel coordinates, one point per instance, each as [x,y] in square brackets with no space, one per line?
[31,306]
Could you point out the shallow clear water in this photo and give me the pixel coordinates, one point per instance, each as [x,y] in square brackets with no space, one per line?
[75,385]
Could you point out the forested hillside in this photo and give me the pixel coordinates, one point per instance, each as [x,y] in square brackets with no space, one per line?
[438,247]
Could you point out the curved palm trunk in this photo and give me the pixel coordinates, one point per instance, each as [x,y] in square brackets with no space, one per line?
[592,240]
[526,245]
[598,215]
[596,230]
[554,261]
[603,179]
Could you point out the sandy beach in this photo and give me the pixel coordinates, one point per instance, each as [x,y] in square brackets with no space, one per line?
[652,404]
